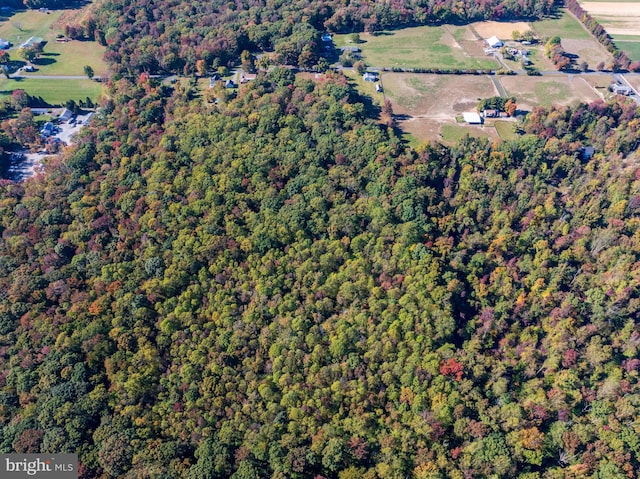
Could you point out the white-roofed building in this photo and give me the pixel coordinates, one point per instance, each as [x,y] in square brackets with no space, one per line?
[472,117]
[494,42]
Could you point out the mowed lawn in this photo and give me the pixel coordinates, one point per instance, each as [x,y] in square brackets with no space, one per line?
[58,58]
[419,47]
[54,92]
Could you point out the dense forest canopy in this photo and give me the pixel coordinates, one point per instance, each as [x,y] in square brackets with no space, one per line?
[172,35]
[277,286]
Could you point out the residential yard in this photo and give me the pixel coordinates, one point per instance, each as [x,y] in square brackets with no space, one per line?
[54,92]
[58,58]
[366,88]
[452,133]
[421,47]
[505,130]
[548,90]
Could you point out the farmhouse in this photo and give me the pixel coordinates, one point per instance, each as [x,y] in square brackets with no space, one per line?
[619,89]
[65,115]
[494,42]
[472,118]
[246,77]
[47,130]
[370,76]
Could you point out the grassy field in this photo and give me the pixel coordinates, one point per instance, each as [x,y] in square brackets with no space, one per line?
[505,130]
[453,133]
[547,91]
[58,58]
[632,49]
[54,92]
[621,20]
[419,47]
[564,26]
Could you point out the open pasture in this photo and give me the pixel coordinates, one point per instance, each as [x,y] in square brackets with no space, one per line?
[548,90]
[563,25]
[621,20]
[617,18]
[423,47]
[427,105]
[631,48]
[590,51]
[54,92]
[59,58]
[576,39]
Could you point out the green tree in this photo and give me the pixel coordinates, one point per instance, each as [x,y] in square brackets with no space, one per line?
[89,72]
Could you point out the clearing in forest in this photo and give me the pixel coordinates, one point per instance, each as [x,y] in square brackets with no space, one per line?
[444,47]
[427,105]
[59,58]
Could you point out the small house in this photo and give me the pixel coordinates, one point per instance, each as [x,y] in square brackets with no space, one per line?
[491,114]
[619,89]
[32,42]
[349,49]
[494,42]
[246,77]
[229,84]
[370,76]
[65,115]
[4,44]
[472,118]
[29,68]
[47,130]
[326,38]
[378,88]
[586,152]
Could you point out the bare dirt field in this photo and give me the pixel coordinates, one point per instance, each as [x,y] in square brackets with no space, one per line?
[600,84]
[502,30]
[427,103]
[618,18]
[589,51]
[436,96]
[548,90]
